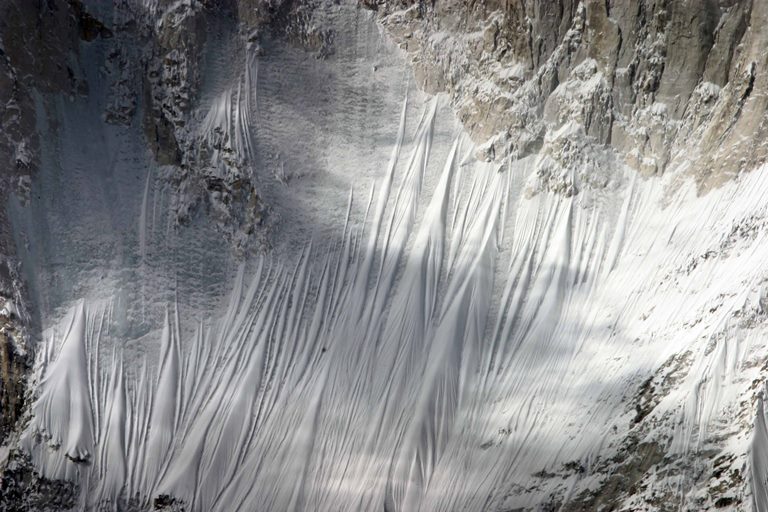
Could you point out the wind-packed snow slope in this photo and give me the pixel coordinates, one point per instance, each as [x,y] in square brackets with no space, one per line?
[445,340]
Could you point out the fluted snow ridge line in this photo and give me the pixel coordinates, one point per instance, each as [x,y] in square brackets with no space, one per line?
[450,353]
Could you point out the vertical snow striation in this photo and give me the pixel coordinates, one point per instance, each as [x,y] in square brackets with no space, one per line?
[163,417]
[63,414]
[225,129]
[759,456]
[448,353]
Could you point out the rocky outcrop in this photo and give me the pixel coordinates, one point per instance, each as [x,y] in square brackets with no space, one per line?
[14,368]
[663,85]
[155,65]
[23,489]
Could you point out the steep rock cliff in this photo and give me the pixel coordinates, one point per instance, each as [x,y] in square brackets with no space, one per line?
[663,85]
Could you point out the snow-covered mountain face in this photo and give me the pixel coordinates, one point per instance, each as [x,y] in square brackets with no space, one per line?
[248,263]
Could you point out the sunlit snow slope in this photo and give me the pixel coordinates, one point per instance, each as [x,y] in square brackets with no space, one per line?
[424,335]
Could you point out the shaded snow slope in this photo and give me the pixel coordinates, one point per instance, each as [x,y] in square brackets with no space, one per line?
[423,333]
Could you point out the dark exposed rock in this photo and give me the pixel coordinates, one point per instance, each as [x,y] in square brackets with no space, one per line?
[634,460]
[22,489]
[168,503]
[290,20]
[90,27]
[725,501]
[161,137]
[14,368]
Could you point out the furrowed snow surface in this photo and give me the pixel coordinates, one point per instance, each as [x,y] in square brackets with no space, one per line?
[445,341]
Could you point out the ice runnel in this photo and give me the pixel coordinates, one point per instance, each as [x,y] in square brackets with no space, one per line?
[758,456]
[459,340]
[112,443]
[63,413]
[163,416]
